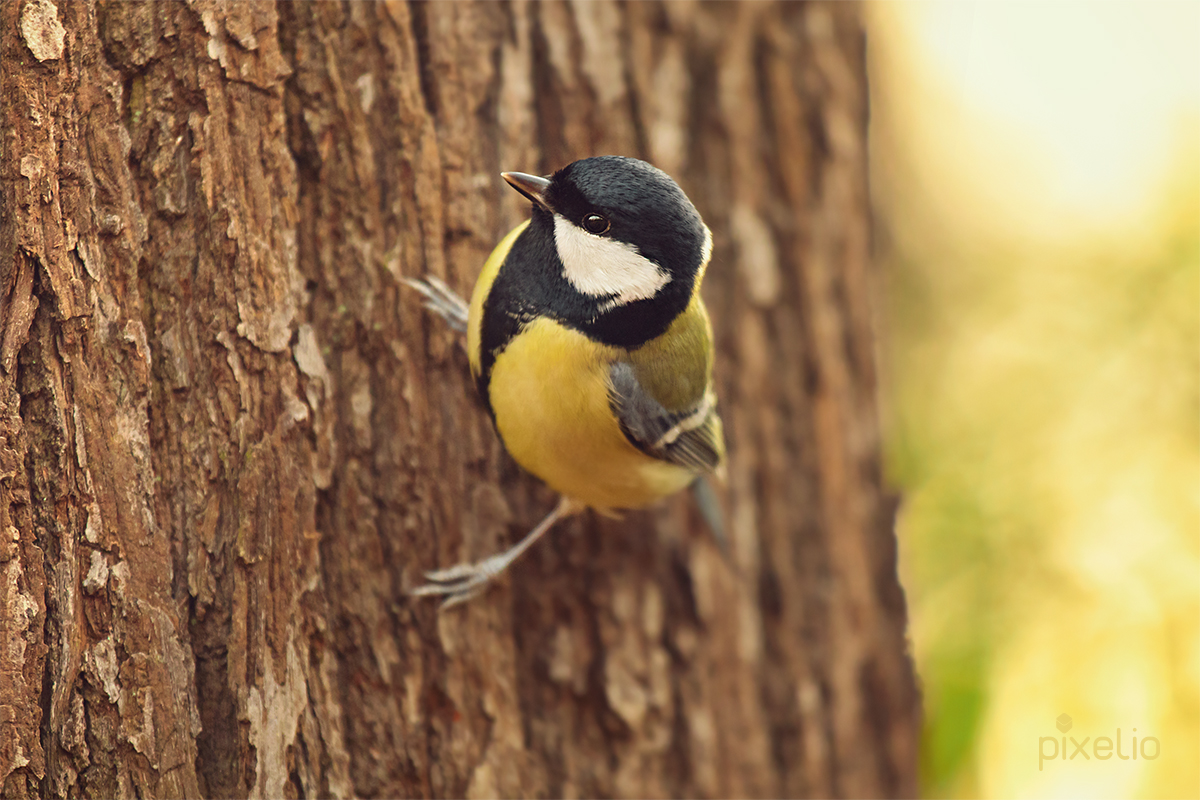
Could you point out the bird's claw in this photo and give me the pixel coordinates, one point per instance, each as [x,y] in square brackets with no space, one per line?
[461,582]
[442,300]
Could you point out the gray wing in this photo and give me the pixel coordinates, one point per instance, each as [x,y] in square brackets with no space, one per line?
[691,437]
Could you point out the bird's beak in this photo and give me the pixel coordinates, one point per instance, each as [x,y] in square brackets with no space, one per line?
[531,186]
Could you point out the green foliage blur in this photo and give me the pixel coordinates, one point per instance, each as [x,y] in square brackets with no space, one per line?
[1042,368]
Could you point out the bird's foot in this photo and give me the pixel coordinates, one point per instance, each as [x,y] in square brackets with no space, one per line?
[442,300]
[462,582]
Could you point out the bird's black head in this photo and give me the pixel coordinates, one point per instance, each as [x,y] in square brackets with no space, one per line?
[628,246]
[629,201]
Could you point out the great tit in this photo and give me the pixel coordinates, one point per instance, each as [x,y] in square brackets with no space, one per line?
[590,346]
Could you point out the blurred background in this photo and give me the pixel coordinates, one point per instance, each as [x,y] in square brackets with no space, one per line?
[1036,171]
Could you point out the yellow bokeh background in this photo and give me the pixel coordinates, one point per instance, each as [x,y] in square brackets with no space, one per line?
[1036,169]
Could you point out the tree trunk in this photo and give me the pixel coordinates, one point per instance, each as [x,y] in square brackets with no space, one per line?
[230,439]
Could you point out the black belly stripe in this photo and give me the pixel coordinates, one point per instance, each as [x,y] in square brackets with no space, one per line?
[512,302]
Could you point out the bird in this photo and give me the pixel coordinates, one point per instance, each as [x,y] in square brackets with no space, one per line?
[591,348]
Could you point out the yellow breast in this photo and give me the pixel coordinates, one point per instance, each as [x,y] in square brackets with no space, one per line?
[549,392]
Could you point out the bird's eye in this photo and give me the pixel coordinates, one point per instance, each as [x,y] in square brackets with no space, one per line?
[594,223]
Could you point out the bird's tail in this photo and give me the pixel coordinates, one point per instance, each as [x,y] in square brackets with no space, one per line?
[709,506]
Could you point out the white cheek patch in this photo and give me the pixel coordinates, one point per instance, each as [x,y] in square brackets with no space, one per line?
[599,267]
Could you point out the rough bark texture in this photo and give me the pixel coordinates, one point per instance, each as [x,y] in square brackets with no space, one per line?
[230,439]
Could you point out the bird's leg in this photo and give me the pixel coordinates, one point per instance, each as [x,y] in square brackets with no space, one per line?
[462,582]
[443,300]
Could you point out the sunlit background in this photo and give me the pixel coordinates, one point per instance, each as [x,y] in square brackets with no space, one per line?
[1037,175]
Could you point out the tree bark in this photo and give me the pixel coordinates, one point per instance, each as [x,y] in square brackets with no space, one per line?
[230,439]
